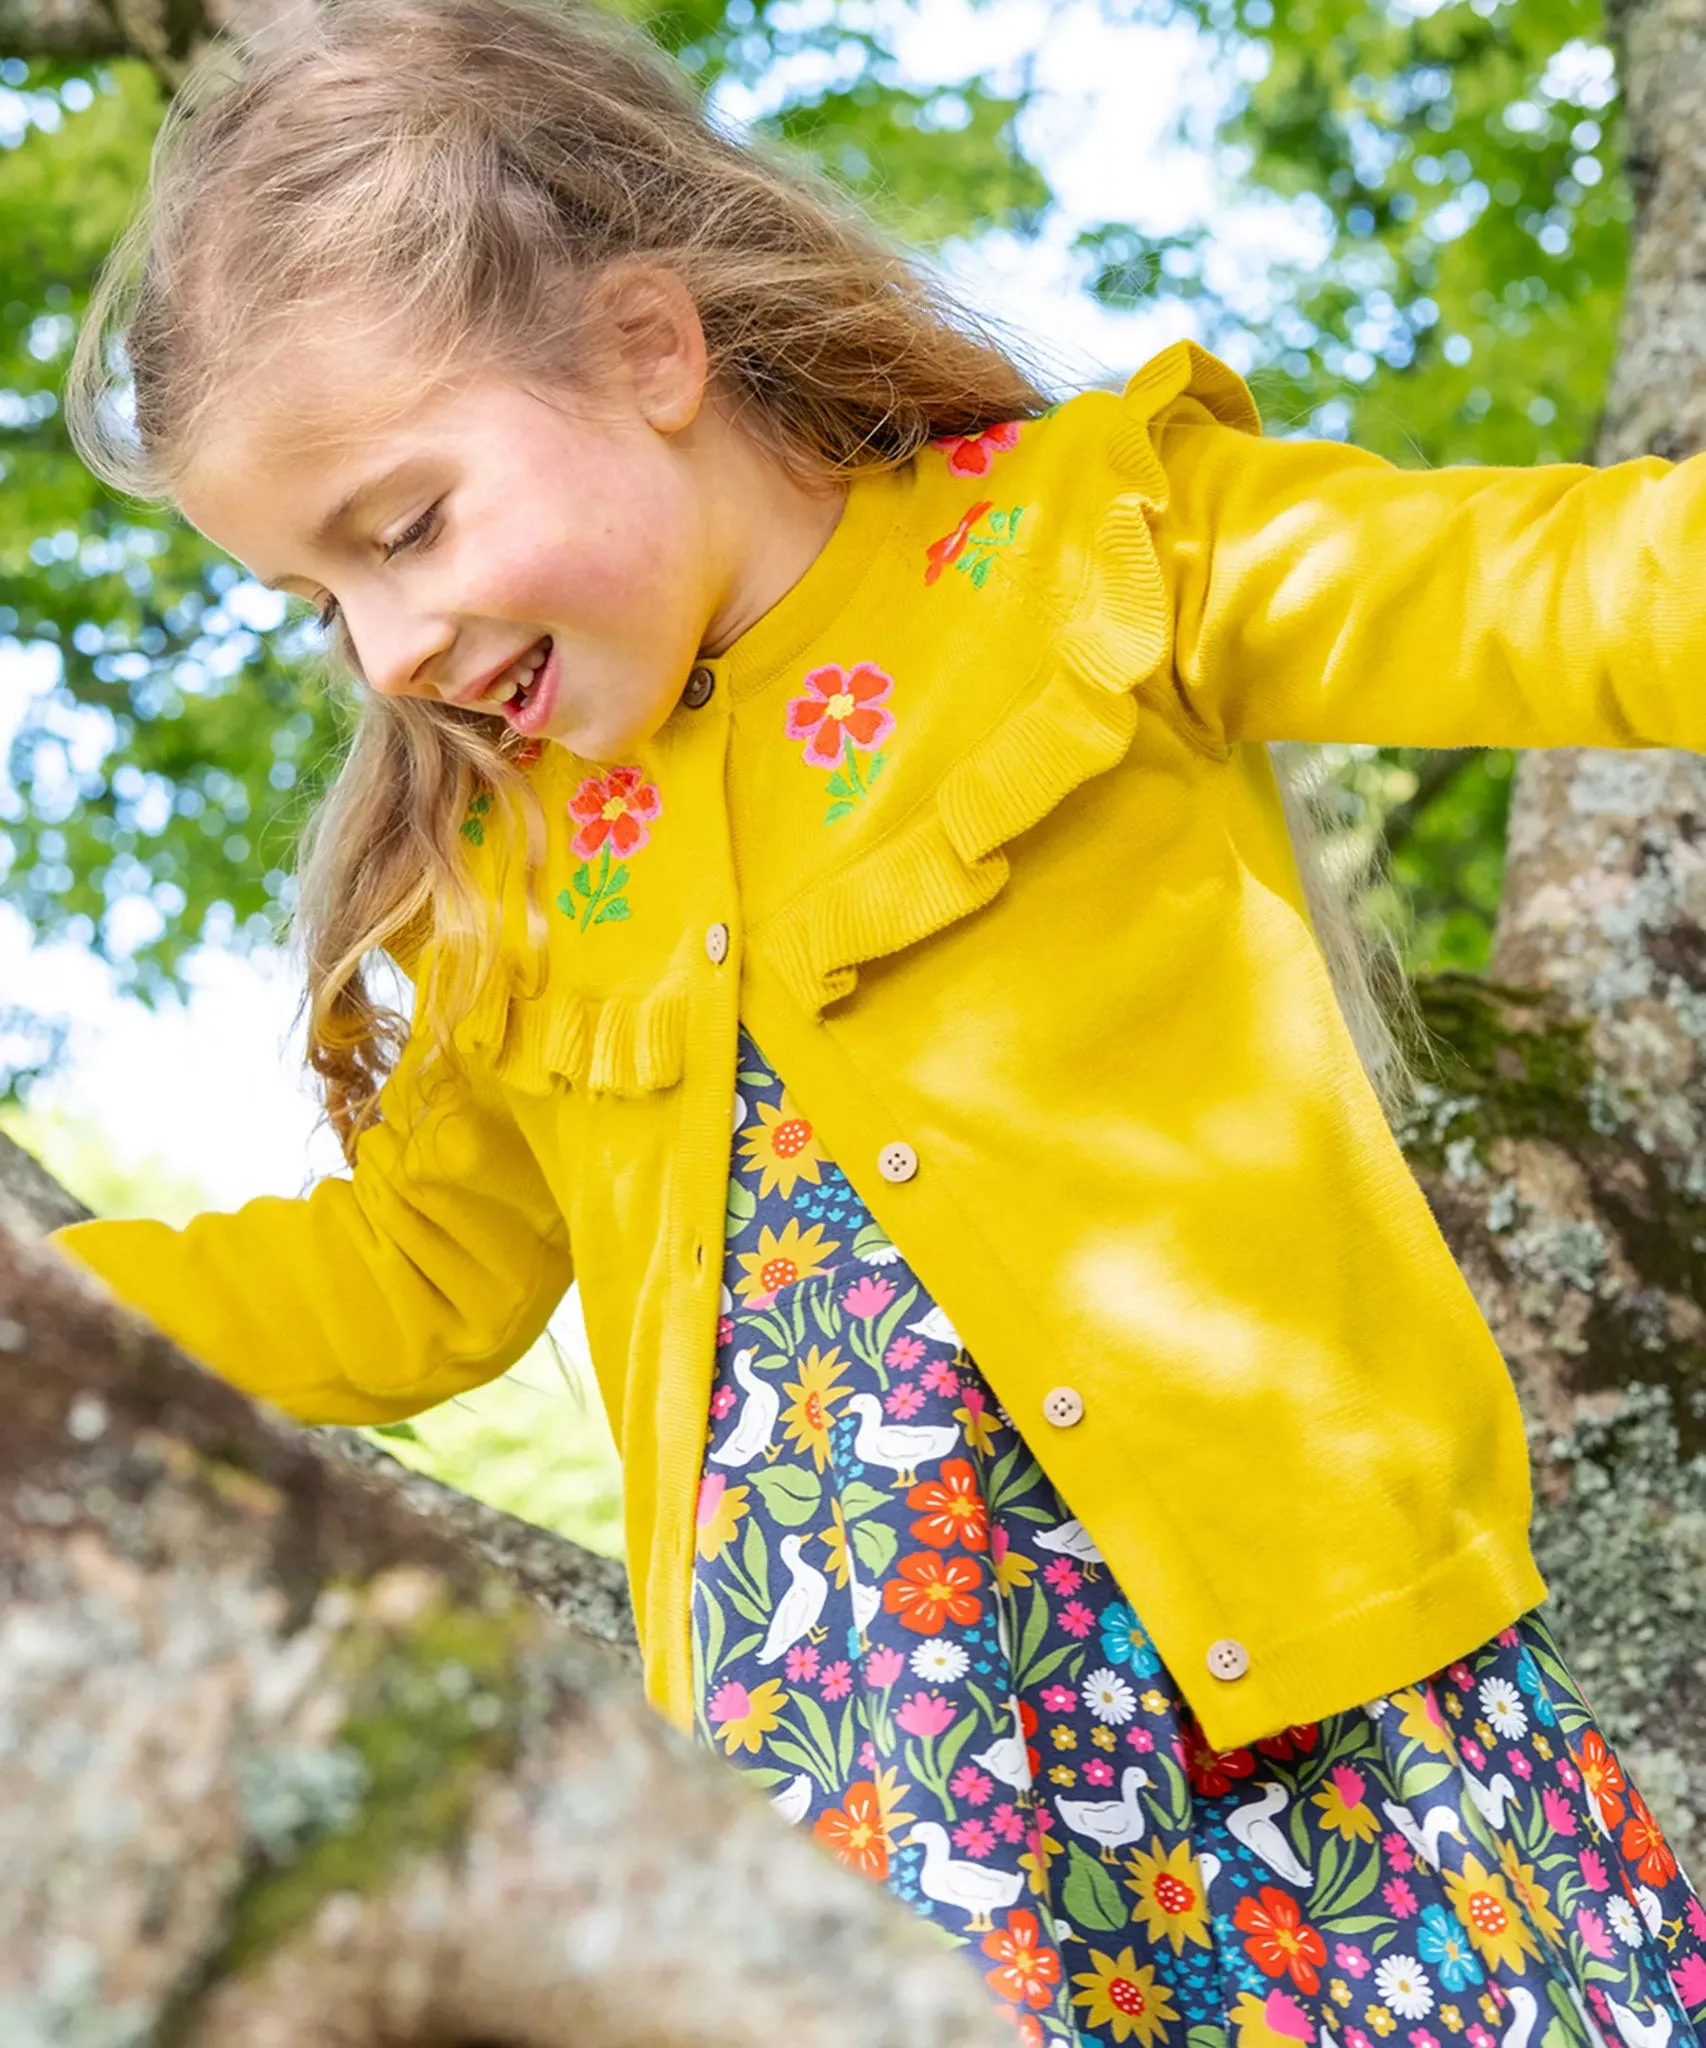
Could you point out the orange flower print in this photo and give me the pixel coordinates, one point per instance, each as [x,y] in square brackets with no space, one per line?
[954,1509]
[1644,1844]
[943,553]
[1602,1779]
[974,454]
[855,1831]
[1280,1941]
[1026,1968]
[618,807]
[928,1591]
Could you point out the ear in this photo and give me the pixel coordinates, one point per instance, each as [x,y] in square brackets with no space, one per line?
[655,334]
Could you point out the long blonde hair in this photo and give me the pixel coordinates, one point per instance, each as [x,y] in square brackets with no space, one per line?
[470,166]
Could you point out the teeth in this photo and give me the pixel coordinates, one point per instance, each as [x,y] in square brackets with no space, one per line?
[505,690]
[516,678]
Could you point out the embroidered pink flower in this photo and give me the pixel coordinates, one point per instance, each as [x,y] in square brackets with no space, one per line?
[924,1713]
[883,1667]
[619,806]
[868,1296]
[842,708]
[974,454]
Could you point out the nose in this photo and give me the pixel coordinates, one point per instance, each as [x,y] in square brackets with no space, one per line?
[398,651]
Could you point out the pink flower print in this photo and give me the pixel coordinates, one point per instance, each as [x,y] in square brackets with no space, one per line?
[1593,1871]
[837,1680]
[1356,2038]
[1689,1977]
[905,1401]
[1520,1764]
[721,1402]
[1696,1917]
[1059,1699]
[1140,1739]
[975,1837]
[1008,1822]
[1351,1960]
[1478,2037]
[904,1353]
[868,1296]
[883,1667]
[1398,1897]
[925,1714]
[1596,1936]
[1462,1677]
[619,806]
[1098,1771]
[801,1663]
[1076,1619]
[1560,1814]
[1568,1774]
[1282,2014]
[1397,1852]
[725,1335]
[730,1701]
[842,708]
[867,1756]
[974,454]
[1472,1753]
[970,1784]
[941,1377]
[1421,2038]
[1063,1575]
[1508,1639]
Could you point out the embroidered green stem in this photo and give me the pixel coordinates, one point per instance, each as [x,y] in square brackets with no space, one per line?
[600,897]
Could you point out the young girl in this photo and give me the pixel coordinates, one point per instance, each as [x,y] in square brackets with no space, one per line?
[1064,1465]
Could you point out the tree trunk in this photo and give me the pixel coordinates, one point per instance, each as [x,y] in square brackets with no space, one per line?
[1564,1152]
[283,1766]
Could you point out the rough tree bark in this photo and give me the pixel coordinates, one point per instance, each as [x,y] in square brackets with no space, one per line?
[282,1766]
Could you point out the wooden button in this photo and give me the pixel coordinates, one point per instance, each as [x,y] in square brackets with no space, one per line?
[1063,1406]
[897,1162]
[717,944]
[1228,1659]
[700,684]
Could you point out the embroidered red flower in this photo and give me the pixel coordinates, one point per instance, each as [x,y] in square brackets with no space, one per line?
[974,454]
[619,807]
[1280,1942]
[954,1510]
[928,1591]
[842,708]
[942,554]
[1027,1969]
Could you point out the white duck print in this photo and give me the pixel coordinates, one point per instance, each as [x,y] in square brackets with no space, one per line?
[1109,1823]
[1637,2032]
[1527,2010]
[971,1887]
[1071,1539]
[794,1801]
[902,1447]
[1490,1798]
[756,1423]
[866,1599]
[937,1328]
[1006,1758]
[1256,1825]
[1424,1835]
[795,1614]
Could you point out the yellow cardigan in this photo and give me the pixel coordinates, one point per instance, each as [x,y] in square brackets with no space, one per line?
[1045,987]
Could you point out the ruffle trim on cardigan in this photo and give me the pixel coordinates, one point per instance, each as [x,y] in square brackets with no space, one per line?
[616,1044]
[1079,722]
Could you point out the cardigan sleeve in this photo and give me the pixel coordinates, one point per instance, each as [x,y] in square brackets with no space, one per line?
[1320,593]
[429,1269]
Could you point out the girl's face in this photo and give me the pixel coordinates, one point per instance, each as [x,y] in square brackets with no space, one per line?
[557,565]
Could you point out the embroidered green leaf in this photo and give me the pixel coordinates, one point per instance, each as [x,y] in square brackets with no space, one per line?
[613,912]
[479,805]
[837,811]
[618,878]
[998,523]
[567,904]
[874,1544]
[859,1499]
[874,768]
[1090,1895]
[838,785]
[583,880]
[742,1208]
[473,831]
[791,1493]
[980,570]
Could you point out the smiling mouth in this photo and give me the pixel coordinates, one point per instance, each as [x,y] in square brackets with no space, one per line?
[514,688]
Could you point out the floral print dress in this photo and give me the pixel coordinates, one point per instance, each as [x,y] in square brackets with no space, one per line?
[903,1633]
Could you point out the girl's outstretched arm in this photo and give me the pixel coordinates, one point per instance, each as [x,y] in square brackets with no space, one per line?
[1320,593]
[431,1269]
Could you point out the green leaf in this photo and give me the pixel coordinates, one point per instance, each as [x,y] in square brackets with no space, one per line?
[583,880]
[838,785]
[618,878]
[1090,1896]
[741,1209]
[1205,2036]
[874,767]
[837,812]
[859,1499]
[405,1430]
[473,831]
[758,1079]
[754,1558]
[874,1544]
[614,912]
[791,1493]
[567,904]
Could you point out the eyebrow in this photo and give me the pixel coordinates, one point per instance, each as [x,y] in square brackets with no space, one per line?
[342,514]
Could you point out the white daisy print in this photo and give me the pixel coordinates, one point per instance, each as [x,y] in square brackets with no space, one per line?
[939,1662]
[1403,1984]
[1625,1922]
[1109,1698]
[1502,1705]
